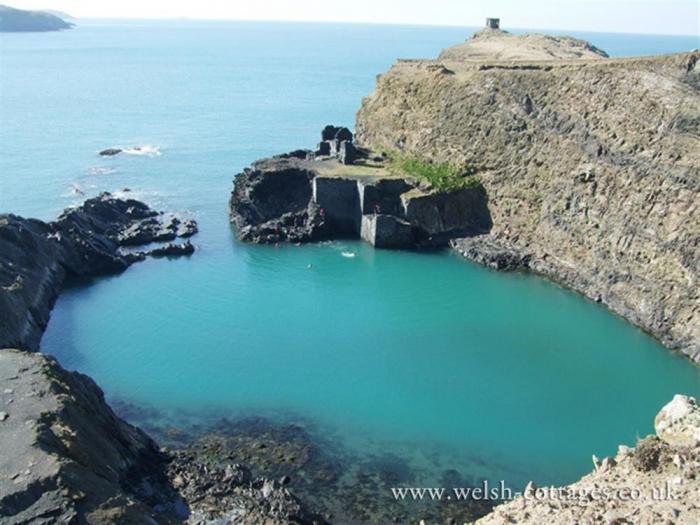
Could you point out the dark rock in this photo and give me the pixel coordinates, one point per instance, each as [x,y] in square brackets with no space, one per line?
[492,252]
[328,133]
[187,228]
[110,152]
[36,257]
[340,204]
[296,154]
[347,153]
[172,250]
[271,202]
[324,149]
[76,462]
[440,216]
[343,134]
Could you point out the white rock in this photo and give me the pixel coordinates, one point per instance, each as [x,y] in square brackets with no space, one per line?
[678,423]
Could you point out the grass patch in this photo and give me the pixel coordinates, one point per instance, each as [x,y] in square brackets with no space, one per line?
[441,176]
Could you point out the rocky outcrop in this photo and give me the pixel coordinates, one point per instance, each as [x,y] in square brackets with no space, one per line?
[89,240]
[310,197]
[655,482]
[66,458]
[591,168]
[18,20]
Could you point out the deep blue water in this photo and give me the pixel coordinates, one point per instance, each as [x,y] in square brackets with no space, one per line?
[503,375]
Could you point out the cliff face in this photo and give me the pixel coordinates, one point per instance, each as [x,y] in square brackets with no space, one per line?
[591,169]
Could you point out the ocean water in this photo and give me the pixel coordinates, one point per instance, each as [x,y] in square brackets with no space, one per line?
[423,355]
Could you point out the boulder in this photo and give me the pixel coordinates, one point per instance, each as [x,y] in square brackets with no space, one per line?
[678,423]
[110,152]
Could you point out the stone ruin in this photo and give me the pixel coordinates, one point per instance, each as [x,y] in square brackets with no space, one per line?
[493,23]
[337,142]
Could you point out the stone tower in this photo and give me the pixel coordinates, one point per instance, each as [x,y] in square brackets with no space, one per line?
[493,23]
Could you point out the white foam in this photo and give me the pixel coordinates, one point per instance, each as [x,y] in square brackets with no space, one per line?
[348,254]
[145,150]
[100,170]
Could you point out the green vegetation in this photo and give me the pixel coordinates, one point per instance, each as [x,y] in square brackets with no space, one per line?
[441,176]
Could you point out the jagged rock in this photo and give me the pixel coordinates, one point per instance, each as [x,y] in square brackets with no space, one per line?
[678,423]
[494,253]
[294,200]
[36,257]
[172,250]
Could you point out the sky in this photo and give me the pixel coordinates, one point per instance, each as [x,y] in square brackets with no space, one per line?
[680,17]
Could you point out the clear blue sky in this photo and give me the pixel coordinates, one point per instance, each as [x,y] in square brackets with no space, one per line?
[628,16]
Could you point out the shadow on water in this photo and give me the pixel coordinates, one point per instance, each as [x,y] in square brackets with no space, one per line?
[64,342]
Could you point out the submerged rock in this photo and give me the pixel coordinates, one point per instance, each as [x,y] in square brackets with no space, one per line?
[172,249]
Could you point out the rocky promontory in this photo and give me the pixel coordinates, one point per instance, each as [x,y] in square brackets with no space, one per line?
[315,195]
[18,20]
[96,238]
[590,165]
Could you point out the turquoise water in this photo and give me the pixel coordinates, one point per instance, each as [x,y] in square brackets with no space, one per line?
[421,354]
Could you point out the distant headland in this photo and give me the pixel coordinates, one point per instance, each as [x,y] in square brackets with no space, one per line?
[17,20]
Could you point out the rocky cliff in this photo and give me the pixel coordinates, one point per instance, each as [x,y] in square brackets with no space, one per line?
[92,239]
[309,196]
[591,166]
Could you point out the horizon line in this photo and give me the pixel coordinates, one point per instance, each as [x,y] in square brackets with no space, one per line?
[357,22]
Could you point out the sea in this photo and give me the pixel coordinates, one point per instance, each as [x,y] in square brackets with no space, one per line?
[438,363]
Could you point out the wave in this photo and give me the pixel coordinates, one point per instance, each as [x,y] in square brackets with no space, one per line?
[348,254]
[100,170]
[145,150]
